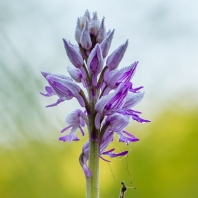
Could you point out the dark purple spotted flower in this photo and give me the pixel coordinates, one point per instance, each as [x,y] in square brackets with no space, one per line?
[107,106]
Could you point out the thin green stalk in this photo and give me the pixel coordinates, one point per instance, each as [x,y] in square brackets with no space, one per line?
[92,183]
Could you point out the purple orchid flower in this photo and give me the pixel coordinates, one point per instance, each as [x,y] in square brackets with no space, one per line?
[75,119]
[110,99]
[63,87]
[111,103]
[117,123]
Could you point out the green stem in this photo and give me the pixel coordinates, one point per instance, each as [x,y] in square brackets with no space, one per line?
[93,181]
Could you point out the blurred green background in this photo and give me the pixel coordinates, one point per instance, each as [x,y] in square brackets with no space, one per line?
[33,163]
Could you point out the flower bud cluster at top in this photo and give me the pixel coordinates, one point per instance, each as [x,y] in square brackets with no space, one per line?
[110,92]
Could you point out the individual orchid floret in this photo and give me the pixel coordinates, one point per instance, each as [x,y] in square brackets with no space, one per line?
[75,73]
[85,18]
[116,56]
[65,89]
[106,140]
[85,39]
[111,103]
[95,63]
[101,32]
[73,54]
[123,75]
[132,99]
[117,123]
[75,120]
[94,25]
[50,91]
[106,44]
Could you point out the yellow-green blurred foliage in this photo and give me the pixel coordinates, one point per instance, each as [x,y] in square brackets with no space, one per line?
[163,164]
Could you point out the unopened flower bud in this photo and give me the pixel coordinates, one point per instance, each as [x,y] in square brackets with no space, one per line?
[114,59]
[101,32]
[106,44]
[85,39]
[73,54]
[94,25]
[95,63]
[78,31]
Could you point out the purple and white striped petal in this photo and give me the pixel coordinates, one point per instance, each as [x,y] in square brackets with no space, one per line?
[63,87]
[123,75]
[110,103]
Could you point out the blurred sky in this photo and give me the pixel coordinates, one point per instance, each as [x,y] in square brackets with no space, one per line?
[163,37]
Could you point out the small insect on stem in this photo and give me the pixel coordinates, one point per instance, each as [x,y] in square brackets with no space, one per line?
[123,190]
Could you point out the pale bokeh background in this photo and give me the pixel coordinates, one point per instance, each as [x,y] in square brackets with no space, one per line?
[162,37]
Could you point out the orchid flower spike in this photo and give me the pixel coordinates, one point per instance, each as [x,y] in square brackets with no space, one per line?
[105,93]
